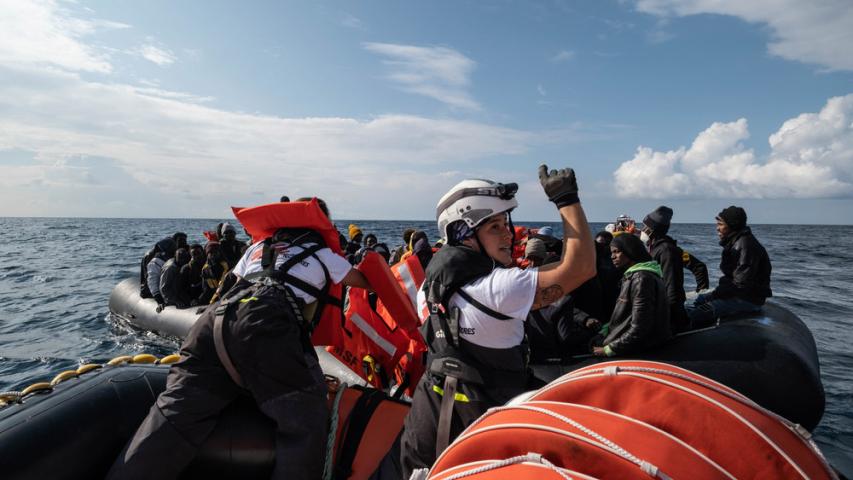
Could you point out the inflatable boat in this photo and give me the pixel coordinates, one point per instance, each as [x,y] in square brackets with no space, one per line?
[770,357]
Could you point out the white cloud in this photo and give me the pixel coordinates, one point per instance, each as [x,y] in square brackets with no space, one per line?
[814,31]
[40,32]
[563,56]
[155,54]
[440,73]
[353,22]
[811,157]
[541,90]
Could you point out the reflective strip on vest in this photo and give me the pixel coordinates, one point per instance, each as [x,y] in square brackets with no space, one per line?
[459,397]
[371,333]
[409,282]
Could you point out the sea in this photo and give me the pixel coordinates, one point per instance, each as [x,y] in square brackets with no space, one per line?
[56,275]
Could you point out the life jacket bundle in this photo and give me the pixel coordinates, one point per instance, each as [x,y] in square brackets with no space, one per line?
[633,419]
[380,334]
[368,424]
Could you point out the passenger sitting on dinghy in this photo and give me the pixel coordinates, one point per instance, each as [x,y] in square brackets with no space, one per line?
[213,272]
[641,317]
[255,341]
[191,272]
[476,304]
[165,251]
[180,239]
[745,284]
[171,289]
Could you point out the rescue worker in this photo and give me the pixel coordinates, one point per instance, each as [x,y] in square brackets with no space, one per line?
[670,256]
[256,341]
[745,265]
[165,251]
[641,317]
[475,307]
[170,282]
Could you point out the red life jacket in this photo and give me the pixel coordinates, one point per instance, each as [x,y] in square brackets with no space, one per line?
[263,221]
[378,338]
[521,234]
[410,276]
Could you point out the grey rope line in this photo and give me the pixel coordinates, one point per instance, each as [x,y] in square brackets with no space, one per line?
[328,469]
[529,457]
[645,466]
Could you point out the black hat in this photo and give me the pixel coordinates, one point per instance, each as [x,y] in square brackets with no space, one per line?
[734,217]
[659,220]
[632,246]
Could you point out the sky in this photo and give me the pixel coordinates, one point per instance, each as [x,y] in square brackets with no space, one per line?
[161,109]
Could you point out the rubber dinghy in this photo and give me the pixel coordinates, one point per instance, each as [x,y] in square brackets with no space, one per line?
[770,357]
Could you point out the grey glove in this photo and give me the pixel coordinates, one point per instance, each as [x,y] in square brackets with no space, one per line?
[560,185]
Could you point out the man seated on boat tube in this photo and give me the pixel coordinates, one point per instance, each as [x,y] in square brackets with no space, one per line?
[475,303]
[745,265]
[255,340]
[641,317]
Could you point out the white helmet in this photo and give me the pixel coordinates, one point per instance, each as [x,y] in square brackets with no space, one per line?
[474,201]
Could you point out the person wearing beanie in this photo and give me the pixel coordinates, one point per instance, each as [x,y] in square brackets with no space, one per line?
[672,259]
[745,265]
[354,244]
[229,245]
[641,320]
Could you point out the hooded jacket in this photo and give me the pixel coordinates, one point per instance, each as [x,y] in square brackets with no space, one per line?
[641,317]
[746,268]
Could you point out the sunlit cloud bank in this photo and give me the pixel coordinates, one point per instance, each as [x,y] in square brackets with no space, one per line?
[814,31]
[811,157]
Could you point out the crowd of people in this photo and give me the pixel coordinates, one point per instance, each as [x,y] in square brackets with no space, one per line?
[495,298]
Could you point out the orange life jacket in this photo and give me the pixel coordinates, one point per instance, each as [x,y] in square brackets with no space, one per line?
[368,424]
[377,338]
[410,276]
[521,234]
[263,221]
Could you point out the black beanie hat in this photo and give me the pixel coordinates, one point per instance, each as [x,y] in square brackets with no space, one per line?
[632,246]
[734,217]
[659,220]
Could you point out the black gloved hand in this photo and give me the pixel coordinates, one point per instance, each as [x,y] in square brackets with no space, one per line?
[161,303]
[560,186]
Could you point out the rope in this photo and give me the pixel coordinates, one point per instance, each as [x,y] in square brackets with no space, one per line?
[529,457]
[645,466]
[10,397]
[328,465]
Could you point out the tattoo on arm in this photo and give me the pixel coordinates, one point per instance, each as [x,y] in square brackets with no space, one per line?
[546,296]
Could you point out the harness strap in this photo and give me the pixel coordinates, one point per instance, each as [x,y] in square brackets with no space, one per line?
[357,423]
[442,437]
[479,306]
[219,339]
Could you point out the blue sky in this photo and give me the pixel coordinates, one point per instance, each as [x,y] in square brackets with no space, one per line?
[182,109]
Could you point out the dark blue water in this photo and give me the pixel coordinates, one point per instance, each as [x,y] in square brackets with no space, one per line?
[56,276]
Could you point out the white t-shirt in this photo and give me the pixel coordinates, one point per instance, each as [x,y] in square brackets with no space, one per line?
[509,291]
[308,269]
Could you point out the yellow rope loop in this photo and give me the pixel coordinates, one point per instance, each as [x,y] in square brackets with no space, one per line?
[88,368]
[36,387]
[169,359]
[144,358]
[120,360]
[64,376]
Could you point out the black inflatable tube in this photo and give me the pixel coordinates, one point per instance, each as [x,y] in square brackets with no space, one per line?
[770,357]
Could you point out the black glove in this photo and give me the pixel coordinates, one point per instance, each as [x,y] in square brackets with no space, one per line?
[560,186]
[161,304]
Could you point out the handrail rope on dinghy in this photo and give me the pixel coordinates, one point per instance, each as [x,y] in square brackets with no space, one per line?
[17,396]
[529,457]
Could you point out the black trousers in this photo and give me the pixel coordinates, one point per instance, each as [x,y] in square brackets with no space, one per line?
[279,369]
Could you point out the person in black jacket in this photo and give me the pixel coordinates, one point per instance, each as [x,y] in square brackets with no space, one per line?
[641,317]
[173,290]
[745,266]
[670,256]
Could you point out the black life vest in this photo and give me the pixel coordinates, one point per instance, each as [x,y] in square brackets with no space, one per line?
[451,268]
